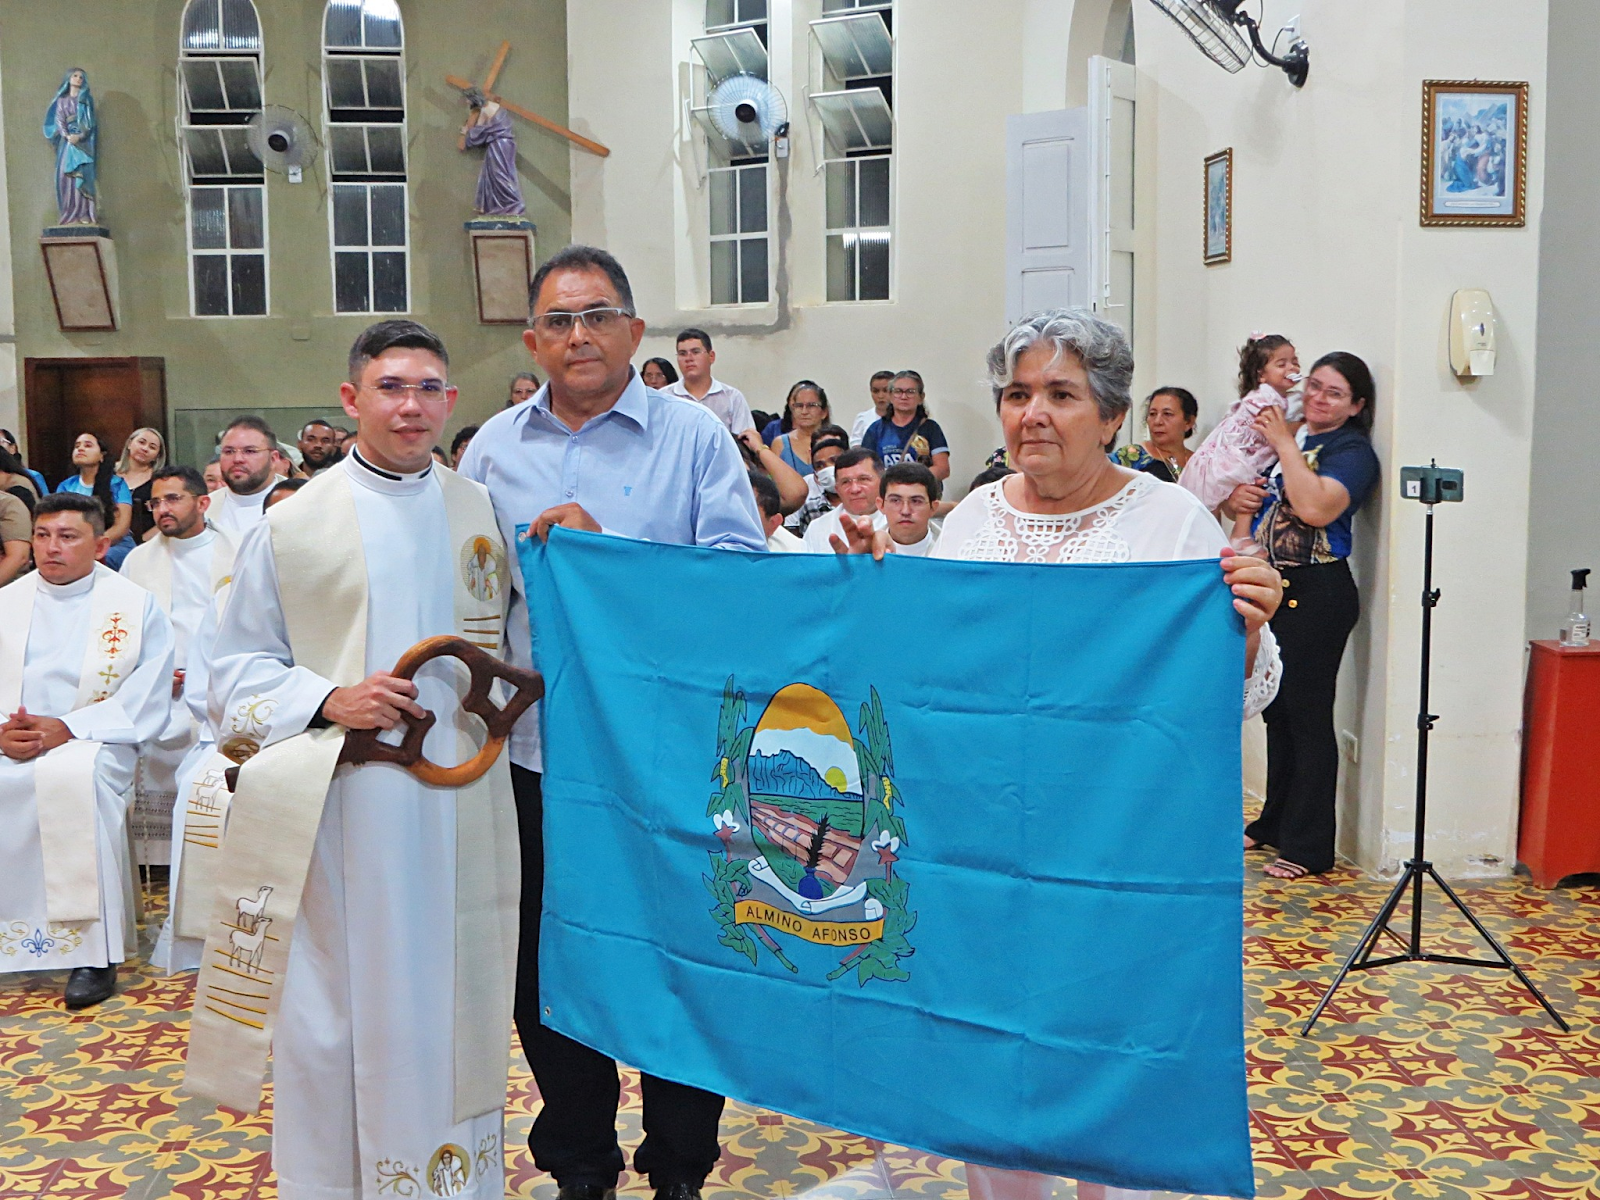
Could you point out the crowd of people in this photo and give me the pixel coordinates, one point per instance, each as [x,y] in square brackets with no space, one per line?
[224,619]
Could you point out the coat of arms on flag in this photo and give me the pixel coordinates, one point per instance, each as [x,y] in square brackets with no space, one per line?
[806,813]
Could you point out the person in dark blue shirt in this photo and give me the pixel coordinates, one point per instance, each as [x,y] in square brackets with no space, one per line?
[1303,516]
[907,433]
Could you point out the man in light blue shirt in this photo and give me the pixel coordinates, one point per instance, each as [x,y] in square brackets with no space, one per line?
[595,449]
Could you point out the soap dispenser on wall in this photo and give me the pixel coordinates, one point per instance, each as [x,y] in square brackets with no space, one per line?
[1471,333]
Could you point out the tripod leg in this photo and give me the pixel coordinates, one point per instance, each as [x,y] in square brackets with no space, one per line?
[1499,950]
[1364,947]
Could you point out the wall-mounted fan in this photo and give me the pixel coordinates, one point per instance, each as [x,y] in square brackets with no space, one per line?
[282,140]
[1214,26]
[748,110]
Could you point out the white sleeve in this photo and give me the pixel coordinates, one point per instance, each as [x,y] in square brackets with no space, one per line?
[1265,674]
[139,710]
[740,417]
[961,525]
[254,681]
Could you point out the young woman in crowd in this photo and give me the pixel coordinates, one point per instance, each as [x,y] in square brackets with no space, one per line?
[95,478]
[908,433]
[1169,417]
[804,412]
[8,441]
[1302,517]
[16,480]
[143,454]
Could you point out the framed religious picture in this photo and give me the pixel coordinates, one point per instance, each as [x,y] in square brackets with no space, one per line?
[1219,208]
[1474,152]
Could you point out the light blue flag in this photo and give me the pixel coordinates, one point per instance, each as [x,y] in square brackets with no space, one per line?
[944,854]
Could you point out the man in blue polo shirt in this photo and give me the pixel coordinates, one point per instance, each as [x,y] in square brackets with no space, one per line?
[595,449]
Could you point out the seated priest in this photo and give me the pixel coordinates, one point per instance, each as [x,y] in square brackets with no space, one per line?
[85,677]
[183,564]
[367,924]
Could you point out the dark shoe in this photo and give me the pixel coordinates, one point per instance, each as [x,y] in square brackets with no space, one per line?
[90,985]
[677,1191]
[586,1191]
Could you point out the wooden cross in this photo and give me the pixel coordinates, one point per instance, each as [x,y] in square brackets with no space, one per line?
[463,85]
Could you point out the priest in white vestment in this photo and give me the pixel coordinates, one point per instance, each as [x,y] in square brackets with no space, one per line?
[389,1013]
[245,456]
[183,565]
[85,676]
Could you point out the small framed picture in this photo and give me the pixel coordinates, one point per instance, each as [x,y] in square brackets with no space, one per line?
[1219,208]
[1474,152]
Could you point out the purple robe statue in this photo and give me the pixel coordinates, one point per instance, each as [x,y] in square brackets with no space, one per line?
[70,125]
[499,192]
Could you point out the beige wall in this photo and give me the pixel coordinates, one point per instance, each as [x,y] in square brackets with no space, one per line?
[1328,250]
[8,323]
[294,357]
[644,204]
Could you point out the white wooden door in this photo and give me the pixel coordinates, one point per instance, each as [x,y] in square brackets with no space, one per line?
[1112,212]
[1047,216]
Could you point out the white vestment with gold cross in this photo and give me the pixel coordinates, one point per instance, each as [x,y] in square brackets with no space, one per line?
[368,1098]
[97,653]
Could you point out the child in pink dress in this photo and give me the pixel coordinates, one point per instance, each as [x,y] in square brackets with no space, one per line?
[1233,452]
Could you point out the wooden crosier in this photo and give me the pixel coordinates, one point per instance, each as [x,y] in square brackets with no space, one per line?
[362,745]
[463,85]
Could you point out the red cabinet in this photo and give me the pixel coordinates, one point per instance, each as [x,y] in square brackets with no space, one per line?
[1560,829]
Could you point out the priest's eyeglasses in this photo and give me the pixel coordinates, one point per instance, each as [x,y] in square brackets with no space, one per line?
[595,320]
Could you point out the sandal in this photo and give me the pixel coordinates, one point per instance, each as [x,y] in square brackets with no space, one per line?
[1282,868]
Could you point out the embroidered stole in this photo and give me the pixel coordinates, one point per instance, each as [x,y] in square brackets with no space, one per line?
[277,807]
[63,779]
[150,565]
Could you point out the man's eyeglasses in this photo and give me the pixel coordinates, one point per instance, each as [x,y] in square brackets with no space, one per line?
[242,451]
[428,389]
[595,320]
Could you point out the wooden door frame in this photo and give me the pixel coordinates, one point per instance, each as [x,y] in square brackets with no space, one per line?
[149,377]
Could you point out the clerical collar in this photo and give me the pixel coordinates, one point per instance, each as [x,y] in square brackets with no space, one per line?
[65,591]
[355,457]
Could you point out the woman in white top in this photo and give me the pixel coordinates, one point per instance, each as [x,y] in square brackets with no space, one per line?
[1061,382]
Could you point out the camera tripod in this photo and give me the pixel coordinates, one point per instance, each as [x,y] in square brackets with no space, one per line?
[1418,869]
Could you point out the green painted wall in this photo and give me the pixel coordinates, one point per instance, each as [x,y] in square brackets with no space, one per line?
[293,358]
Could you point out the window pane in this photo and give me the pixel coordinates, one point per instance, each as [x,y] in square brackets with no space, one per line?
[344,83]
[205,90]
[244,218]
[239,78]
[349,149]
[719,12]
[753,200]
[722,202]
[209,225]
[211,285]
[342,27]
[200,28]
[388,214]
[383,23]
[350,282]
[388,149]
[874,191]
[842,268]
[389,282]
[350,216]
[241,159]
[752,10]
[874,267]
[383,83]
[724,277]
[753,270]
[240,28]
[841,195]
[249,285]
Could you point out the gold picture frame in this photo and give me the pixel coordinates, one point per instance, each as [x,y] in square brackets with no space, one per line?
[1474,152]
[1216,230]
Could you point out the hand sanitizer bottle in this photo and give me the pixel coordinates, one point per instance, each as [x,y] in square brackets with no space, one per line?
[1575,629]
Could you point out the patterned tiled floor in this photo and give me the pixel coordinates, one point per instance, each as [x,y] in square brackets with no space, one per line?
[1420,1084]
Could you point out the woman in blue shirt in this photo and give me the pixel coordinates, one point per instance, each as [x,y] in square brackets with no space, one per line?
[95,478]
[1303,519]
[804,412]
[908,433]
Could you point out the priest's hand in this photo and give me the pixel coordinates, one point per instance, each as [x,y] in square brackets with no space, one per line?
[25,736]
[568,516]
[377,702]
[859,537]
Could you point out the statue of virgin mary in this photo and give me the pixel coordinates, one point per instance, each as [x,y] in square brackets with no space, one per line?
[70,125]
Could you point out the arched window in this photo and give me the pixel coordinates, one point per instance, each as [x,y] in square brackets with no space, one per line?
[364,106]
[219,91]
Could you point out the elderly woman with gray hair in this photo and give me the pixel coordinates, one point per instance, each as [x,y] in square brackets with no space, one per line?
[1061,382]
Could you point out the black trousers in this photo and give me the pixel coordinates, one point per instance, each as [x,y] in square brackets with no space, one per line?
[1312,625]
[574,1138]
